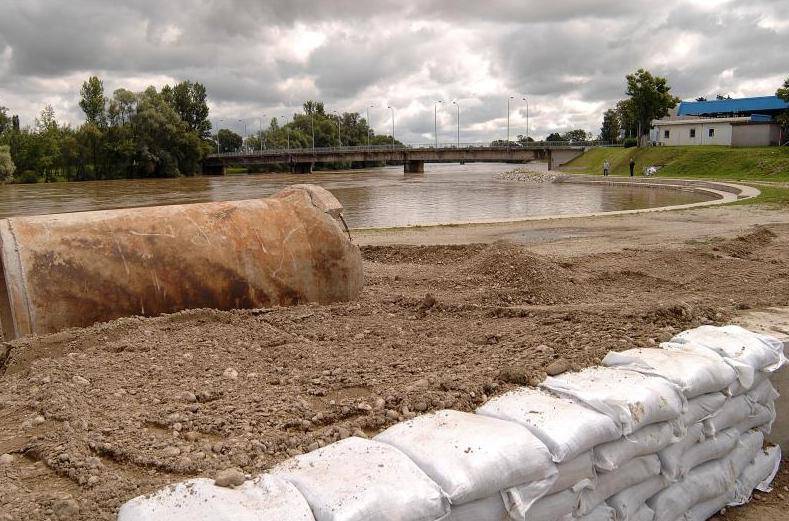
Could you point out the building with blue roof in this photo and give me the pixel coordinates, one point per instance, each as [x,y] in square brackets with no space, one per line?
[728,122]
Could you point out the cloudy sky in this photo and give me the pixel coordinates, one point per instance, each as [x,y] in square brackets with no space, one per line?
[567,57]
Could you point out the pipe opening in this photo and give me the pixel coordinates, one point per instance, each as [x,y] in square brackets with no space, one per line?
[6,316]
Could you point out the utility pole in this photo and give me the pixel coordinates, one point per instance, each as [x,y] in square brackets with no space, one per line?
[508,119]
[339,135]
[527,120]
[435,119]
[455,103]
[368,124]
[312,126]
[393,125]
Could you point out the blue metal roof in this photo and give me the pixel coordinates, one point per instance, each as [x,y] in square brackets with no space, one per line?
[732,106]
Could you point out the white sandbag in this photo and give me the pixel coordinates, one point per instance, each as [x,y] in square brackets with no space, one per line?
[746,450]
[489,508]
[735,410]
[703,482]
[644,514]
[692,373]
[762,352]
[708,450]
[745,371]
[764,393]
[266,498]
[549,508]
[761,418]
[357,479]
[671,457]
[707,509]
[738,388]
[565,426]
[758,475]
[631,399]
[609,483]
[578,473]
[629,502]
[702,407]
[601,513]
[648,440]
[472,456]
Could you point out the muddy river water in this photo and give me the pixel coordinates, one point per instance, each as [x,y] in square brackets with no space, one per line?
[378,197]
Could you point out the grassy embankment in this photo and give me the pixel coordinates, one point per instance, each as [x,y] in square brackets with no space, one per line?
[767,168]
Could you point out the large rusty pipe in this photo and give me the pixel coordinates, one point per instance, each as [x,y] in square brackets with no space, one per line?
[73,270]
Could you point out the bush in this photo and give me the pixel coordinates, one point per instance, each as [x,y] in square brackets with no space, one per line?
[28,176]
[630,142]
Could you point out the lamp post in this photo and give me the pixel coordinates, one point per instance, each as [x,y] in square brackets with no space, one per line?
[287,130]
[244,142]
[435,119]
[368,124]
[218,151]
[260,132]
[393,125]
[508,119]
[455,103]
[312,127]
[527,120]
[339,135]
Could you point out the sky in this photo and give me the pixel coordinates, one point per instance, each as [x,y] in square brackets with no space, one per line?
[260,59]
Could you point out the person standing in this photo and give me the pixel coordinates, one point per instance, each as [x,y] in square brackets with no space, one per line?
[606,168]
[632,166]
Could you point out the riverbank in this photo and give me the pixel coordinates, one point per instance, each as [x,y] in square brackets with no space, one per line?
[449,317]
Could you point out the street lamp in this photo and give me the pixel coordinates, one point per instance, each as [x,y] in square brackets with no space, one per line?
[508,119]
[287,130]
[260,132]
[455,103]
[218,151]
[393,125]
[527,120]
[243,143]
[339,136]
[368,124]
[435,119]
[312,127]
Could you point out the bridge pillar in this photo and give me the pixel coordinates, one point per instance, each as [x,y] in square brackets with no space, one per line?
[414,167]
[301,168]
[213,169]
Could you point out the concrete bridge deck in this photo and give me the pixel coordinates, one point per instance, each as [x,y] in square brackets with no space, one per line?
[413,158]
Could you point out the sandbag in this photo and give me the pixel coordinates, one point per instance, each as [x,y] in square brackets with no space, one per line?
[601,513]
[472,456]
[764,393]
[644,514]
[758,475]
[609,483]
[762,352]
[746,450]
[548,508]
[738,387]
[704,482]
[489,508]
[708,508]
[357,479]
[761,418]
[629,502]
[745,371]
[565,426]
[265,498]
[578,473]
[692,373]
[631,399]
[649,440]
[707,450]
[671,457]
[702,407]
[735,410]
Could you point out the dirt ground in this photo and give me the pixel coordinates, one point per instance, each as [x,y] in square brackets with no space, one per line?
[90,418]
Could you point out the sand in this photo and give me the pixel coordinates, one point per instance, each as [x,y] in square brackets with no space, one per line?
[90,418]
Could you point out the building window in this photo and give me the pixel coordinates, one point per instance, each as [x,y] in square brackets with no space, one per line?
[665,134]
[711,132]
[693,133]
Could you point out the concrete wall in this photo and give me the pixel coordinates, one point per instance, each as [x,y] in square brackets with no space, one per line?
[755,135]
[680,134]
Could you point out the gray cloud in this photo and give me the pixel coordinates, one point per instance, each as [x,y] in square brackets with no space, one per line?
[569,58]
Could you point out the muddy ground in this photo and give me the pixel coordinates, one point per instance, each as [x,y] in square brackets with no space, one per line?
[90,418]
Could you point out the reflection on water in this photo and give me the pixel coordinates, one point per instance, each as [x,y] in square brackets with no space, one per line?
[377,197]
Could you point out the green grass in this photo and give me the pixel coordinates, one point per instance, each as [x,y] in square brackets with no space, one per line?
[713,162]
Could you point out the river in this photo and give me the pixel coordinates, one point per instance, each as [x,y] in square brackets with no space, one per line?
[378,197]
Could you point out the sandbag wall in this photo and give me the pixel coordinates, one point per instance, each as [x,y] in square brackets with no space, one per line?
[657,434]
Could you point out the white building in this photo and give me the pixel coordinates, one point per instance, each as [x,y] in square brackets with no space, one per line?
[745,131]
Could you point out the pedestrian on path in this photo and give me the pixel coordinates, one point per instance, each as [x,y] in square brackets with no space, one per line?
[632,166]
[606,168]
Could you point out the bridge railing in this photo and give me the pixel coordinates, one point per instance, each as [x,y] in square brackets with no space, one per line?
[409,147]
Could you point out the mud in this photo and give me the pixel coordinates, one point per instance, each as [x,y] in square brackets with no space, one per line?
[92,417]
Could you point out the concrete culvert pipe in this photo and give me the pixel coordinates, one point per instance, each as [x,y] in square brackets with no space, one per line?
[73,270]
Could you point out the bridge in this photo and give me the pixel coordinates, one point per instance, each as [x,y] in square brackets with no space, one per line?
[413,157]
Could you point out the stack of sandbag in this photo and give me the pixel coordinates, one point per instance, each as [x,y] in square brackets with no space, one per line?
[476,460]
[647,410]
[570,431]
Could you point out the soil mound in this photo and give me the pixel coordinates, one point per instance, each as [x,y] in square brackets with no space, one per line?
[510,275]
[445,254]
[745,245]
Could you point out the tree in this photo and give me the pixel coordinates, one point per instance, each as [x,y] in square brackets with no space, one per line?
[228,140]
[93,101]
[5,121]
[7,166]
[609,132]
[650,98]
[575,135]
[554,136]
[783,93]
[627,118]
[189,101]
